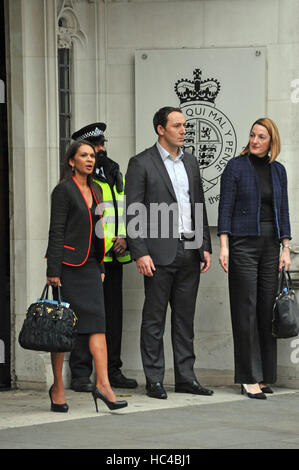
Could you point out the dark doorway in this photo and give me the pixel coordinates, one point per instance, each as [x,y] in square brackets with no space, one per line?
[5,381]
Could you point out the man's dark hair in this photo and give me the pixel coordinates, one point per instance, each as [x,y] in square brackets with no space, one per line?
[161,116]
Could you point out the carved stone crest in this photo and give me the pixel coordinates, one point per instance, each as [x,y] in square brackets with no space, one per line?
[210,135]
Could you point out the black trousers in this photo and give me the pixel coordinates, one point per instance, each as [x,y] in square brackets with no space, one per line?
[253,277]
[114,314]
[177,284]
[80,359]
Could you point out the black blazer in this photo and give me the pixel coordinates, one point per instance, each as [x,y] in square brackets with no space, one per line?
[148,182]
[71,229]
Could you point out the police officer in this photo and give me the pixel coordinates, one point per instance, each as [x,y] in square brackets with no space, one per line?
[109,177]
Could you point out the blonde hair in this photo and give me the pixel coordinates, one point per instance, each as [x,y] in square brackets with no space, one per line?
[274,137]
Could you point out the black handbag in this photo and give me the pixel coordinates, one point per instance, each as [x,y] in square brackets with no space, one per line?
[49,325]
[285,321]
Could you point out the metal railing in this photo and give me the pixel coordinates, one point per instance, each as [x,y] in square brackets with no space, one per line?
[294,273]
[295,278]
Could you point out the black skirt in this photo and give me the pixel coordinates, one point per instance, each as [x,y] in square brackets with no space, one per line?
[82,288]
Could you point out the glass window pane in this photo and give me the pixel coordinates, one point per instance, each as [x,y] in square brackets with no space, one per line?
[64,78]
[64,102]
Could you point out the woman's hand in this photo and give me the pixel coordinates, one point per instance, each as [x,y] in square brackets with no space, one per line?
[285,259]
[223,258]
[53,281]
[223,255]
[103,277]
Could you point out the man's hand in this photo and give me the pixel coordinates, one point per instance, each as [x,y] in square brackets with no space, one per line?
[145,266]
[207,263]
[120,245]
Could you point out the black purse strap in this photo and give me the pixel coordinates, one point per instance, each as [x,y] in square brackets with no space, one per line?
[45,293]
[284,279]
[290,284]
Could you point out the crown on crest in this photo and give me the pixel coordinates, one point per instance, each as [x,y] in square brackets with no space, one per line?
[198,90]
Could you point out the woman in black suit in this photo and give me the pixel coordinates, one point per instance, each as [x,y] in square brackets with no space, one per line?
[253,222]
[75,252]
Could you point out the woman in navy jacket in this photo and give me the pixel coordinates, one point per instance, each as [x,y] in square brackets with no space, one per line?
[75,252]
[253,221]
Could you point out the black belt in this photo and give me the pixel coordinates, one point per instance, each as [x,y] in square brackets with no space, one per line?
[186,237]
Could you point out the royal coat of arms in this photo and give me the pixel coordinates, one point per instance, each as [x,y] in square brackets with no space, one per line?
[210,135]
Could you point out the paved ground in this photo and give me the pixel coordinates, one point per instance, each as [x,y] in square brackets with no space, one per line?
[227,420]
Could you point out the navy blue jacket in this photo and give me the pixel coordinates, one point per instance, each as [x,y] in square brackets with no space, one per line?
[240,199]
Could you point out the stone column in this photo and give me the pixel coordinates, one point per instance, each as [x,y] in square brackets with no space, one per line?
[33,163]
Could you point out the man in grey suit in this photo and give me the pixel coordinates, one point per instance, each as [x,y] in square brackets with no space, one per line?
[171,249]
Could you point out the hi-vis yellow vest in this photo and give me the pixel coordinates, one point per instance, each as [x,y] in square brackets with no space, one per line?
[113,220]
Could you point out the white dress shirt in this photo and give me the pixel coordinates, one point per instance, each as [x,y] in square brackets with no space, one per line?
[179,178]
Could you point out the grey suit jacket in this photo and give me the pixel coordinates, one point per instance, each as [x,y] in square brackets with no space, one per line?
[148,182]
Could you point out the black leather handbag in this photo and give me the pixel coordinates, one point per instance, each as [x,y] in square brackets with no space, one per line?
[285,321]
[49,325]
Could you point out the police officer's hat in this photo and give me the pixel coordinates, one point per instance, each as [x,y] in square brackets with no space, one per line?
[92,133]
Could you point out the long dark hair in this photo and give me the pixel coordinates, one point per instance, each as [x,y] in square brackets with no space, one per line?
[67,173]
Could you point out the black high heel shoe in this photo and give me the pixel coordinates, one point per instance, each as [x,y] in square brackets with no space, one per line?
[266,389]
[112,405]
[259,396]
[55,407]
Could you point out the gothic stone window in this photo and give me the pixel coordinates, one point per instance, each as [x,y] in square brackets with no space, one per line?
[64,101]
[64,83]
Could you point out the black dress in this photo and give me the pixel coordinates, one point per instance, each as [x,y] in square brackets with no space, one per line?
[82,288]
